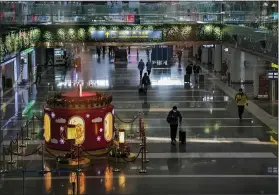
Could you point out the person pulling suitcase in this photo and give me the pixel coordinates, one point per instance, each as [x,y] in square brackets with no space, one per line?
[187,77]
[197,70]
[145,81]
[174,118]
[141,67]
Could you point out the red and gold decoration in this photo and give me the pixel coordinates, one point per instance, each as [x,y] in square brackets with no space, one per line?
[119,146]
[78,118]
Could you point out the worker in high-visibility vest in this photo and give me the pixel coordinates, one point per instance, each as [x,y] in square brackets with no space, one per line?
[241,101]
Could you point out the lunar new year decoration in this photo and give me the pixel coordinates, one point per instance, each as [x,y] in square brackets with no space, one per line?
[83,118]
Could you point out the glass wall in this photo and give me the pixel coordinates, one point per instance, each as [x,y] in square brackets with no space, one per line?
[239,12]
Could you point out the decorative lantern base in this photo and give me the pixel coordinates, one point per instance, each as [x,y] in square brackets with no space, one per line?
[83,161]
[95,154]
[131,157]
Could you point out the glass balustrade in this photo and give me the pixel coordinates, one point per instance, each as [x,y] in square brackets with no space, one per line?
[250,14]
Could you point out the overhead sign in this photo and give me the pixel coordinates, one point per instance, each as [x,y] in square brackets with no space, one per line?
[273,65]
[208,46]
[126,34]
[272,75]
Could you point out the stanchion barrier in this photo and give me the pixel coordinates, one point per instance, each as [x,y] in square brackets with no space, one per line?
[17,144]
[3,168]
[43,171]
[22,145]
[142,133]
[143,168]
[51,154]
[74,187]
[78,156]
[142,141]
[78,184]
[12,140]
[140,123]
[133,120]
[29,154]
[40,119]
[97,155]
[144,148]
[27,131]
[33,132]
[135,158]
[128,122]
[116,161]
[23,182]
[11,161]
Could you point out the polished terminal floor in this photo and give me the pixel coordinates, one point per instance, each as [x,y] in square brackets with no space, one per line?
[222,155]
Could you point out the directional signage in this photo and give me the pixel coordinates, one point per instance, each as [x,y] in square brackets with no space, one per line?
[126,34]
[272,74]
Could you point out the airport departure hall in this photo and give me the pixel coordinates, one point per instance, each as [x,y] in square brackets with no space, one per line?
[138,97]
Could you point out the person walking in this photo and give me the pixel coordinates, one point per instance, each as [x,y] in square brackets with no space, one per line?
[189,69]
[38,74]
[197,70]
[141,67]
[174,118]
[98,51]
[148,67]
[179,56]
[145,82]
[241,100]
[136,16]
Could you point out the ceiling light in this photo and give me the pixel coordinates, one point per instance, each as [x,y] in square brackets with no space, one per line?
[265,4]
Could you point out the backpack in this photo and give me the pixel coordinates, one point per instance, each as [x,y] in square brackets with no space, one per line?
[172,117]
[189,69]
[196,69]
[145,80]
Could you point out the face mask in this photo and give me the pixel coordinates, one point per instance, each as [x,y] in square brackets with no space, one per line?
[174,110]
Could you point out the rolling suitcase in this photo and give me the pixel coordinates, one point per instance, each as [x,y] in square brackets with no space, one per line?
[142,90]
[182,136]
[201,79]
[186,79]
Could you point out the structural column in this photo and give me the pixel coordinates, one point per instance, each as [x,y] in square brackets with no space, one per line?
[237,69]
[217,58]
[1,87]
[255,82]
[204,57]
[195,50]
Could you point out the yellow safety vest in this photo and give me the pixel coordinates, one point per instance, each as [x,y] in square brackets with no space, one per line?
[241,99]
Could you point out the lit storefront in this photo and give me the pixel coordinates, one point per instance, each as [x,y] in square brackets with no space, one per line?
[9,74]
[27,66]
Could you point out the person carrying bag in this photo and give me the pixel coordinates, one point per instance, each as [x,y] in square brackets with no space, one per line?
[174,118]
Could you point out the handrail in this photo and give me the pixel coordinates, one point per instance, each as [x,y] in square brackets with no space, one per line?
[124,18]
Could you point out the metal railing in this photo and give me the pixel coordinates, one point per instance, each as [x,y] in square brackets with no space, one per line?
[105,7]
[147,18]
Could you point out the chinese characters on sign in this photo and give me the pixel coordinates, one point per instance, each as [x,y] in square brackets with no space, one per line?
[126,34]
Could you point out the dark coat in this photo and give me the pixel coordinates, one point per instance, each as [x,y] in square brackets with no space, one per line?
[174,117]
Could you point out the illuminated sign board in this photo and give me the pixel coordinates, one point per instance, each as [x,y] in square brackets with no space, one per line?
[272,75]
[126,34]
[208,46]
[26,51]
